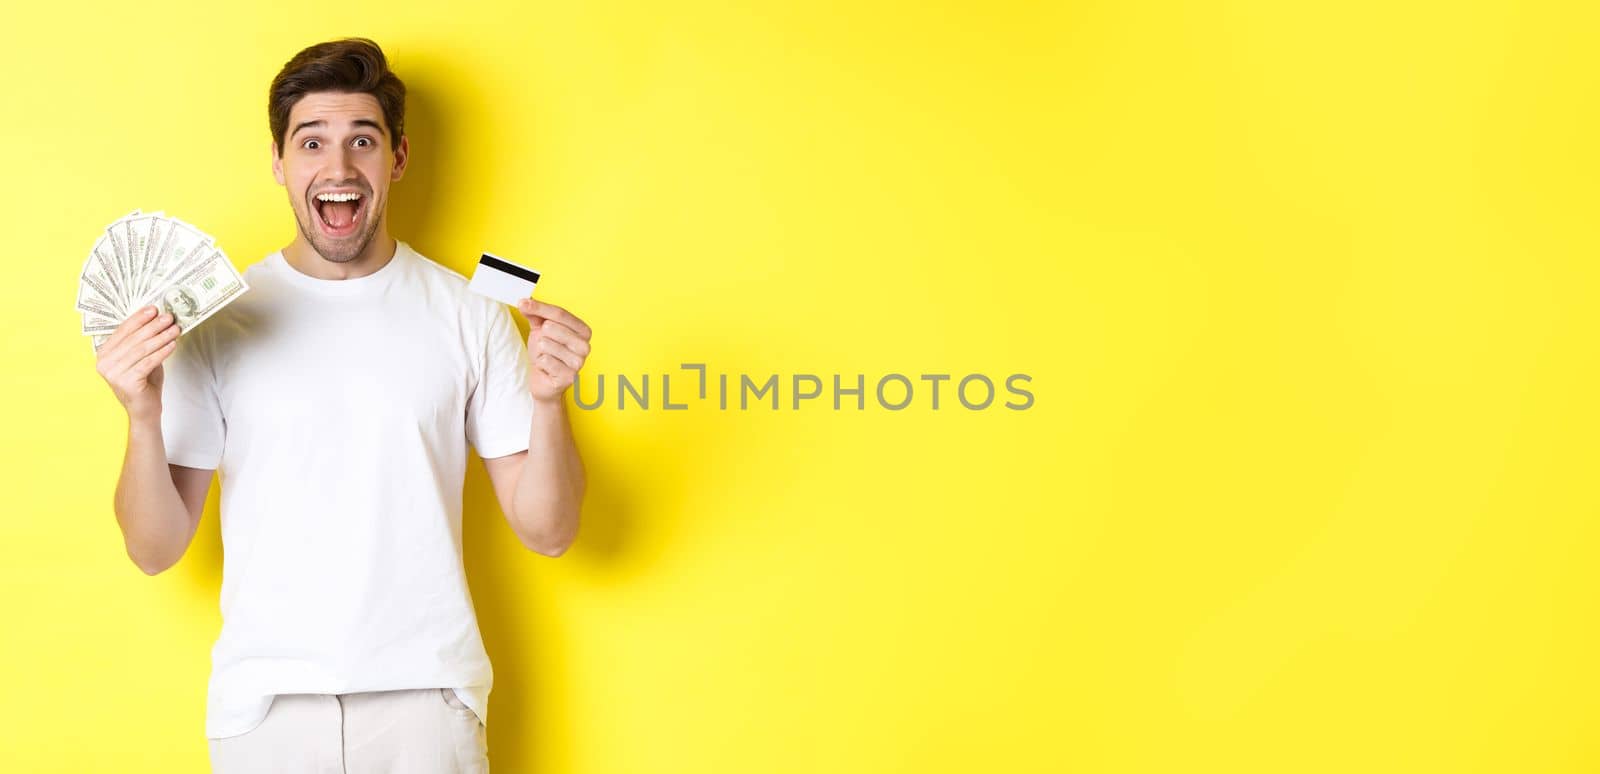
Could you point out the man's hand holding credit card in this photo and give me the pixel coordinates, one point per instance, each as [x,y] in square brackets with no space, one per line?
[558,342]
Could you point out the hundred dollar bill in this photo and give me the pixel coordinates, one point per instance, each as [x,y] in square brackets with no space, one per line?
[104,258]
[95,286]
[100,318]
[182,248]
[143,232]
[148,258]
[117,238]
[199,292]
[117,250]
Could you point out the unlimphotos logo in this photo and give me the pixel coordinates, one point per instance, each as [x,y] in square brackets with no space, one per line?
[894,392]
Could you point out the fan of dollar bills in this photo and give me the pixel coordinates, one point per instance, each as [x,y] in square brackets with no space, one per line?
[151,258]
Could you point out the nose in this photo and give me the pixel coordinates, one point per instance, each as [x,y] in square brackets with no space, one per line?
[344,164]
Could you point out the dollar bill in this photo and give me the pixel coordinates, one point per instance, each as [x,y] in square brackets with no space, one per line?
[141,231]
[183,247]
[153,259]
[199,292]
[98,318]
[97,310]
[103,263]
[95,286]
[117,237]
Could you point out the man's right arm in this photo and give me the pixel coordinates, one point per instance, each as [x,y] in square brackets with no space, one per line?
[158,505]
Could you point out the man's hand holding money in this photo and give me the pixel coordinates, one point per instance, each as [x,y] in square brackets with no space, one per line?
[130,361]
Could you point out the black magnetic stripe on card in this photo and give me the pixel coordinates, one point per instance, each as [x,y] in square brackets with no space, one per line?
[509,268]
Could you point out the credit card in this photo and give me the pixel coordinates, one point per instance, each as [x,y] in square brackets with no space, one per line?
[502,280]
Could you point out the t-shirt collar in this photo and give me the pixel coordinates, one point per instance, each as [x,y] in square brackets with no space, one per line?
[356,285]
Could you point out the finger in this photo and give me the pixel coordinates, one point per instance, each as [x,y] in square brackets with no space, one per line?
[137,348]
[138,318]
[553,368]
[564,335]
[561,352]
[525,306]
[148,363]
[129,349]
[553,312]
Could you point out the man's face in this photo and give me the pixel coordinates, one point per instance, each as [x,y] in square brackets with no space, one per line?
[337,166]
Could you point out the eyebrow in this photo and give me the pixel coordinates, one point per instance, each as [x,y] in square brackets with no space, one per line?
[321,123]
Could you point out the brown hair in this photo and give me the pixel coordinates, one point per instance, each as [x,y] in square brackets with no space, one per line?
[354,65]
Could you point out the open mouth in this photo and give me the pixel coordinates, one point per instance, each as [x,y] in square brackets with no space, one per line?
[339,212]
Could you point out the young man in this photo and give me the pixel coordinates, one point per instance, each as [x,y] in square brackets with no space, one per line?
[337,397]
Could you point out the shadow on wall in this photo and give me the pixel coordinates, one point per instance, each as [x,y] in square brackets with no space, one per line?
[519,621]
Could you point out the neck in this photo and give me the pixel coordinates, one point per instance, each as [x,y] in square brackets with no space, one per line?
[305,258]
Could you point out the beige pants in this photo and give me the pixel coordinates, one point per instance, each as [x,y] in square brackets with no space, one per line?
[417,731]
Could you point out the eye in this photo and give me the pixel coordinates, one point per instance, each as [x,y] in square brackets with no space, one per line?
[363,142]
[311,144]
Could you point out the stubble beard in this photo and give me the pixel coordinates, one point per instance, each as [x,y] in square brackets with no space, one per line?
[330,250]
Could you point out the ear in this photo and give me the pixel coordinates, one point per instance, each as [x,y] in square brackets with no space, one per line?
[277,164]
[401,155]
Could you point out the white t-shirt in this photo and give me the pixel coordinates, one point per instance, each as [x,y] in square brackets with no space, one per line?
[338,414]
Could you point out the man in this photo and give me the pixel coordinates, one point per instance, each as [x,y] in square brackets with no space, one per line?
[337,399]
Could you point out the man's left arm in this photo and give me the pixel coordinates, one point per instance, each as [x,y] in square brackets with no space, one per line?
[541,489]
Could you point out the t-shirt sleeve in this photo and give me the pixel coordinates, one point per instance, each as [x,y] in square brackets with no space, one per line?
[500,409]
[191,414]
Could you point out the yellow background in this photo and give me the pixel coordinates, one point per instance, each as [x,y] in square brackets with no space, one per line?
[1306,292]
